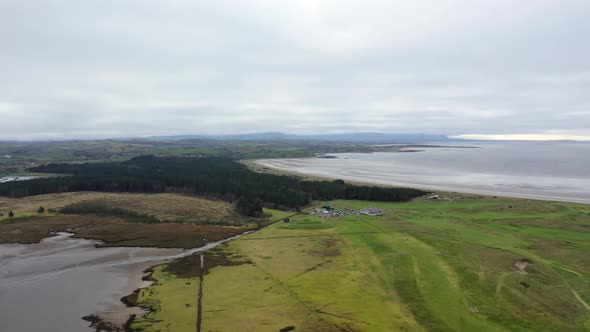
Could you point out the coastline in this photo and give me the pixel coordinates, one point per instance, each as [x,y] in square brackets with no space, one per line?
[116,273]
[280,166]
[120,316]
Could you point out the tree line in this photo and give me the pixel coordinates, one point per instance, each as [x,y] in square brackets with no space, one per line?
[215,177]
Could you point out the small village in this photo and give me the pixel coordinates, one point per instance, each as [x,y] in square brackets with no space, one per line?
[330,212]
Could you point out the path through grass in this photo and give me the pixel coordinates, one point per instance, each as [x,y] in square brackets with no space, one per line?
[424,265]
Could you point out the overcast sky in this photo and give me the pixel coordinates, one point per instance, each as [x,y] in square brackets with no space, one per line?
[71,69]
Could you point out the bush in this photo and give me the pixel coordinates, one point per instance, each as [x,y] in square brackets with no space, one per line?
[101,209]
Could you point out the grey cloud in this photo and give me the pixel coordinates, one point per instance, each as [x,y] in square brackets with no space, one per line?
[121,68]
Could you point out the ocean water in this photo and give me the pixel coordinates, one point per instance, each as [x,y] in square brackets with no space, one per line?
[539,170]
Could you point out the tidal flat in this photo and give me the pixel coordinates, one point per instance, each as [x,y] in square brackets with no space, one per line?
[51,285]
[56,268]
[87,282]
[555,171]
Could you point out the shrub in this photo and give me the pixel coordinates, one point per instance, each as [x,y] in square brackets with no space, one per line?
[101,209]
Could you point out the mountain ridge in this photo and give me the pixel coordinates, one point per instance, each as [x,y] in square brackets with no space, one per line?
[364,137]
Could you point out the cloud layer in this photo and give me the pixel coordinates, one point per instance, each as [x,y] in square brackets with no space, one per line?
[126,68]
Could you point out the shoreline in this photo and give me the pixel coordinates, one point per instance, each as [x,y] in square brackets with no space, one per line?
[73,268]
[127,270]
[265,165]
[119,316]
[122,320]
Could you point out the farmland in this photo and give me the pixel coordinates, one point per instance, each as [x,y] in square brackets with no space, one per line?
[474,263]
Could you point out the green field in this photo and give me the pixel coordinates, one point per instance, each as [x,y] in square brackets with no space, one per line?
[425,265]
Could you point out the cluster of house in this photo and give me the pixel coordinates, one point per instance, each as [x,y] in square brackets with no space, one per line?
[452,198]
[371,212]
[329,212]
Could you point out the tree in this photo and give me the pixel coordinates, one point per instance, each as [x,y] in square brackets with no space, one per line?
[41,210]
[214,177]
[10,214]
[250,207]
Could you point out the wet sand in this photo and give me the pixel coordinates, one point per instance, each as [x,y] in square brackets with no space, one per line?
[50,286]
[412,170]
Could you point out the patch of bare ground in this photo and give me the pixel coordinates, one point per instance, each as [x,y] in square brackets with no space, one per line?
[521,264]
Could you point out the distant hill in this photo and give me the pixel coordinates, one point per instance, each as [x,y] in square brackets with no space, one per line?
[379,137]
[352,137]
[233,137]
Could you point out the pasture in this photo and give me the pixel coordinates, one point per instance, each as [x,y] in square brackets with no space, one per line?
[476,263]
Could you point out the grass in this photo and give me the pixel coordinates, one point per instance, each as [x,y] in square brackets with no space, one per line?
[101,209]
[167,207]
[425,265]
[276,215]
[179,311]
[114,231]
[158,220]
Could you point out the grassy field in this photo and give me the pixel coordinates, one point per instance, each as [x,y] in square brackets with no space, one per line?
[181,221]
[446,265]
[165,207]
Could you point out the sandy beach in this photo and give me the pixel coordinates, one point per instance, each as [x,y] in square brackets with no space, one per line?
[408,170]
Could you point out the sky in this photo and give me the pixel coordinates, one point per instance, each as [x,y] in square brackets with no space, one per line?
[115,68]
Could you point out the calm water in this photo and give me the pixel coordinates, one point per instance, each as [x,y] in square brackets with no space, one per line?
[543,170]
[49,286]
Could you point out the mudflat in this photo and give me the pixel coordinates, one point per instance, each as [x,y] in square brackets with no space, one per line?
[51,285]
[48,282]
[549,171]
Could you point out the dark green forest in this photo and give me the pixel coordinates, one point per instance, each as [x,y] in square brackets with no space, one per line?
[214,177]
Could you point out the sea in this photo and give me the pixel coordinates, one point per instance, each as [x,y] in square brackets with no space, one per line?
[556,170]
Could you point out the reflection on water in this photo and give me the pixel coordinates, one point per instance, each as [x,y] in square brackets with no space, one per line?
[49,286]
